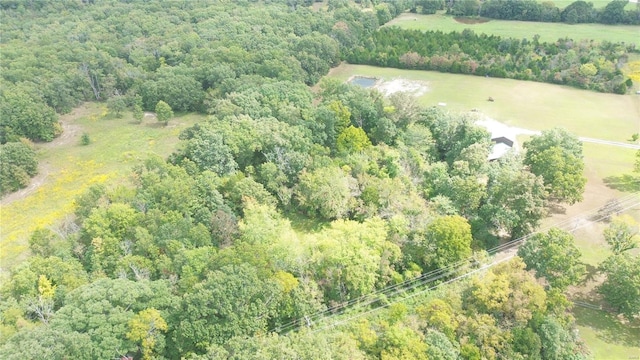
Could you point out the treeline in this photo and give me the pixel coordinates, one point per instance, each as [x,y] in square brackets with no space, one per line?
[578,12]
[181,53]
[583,64]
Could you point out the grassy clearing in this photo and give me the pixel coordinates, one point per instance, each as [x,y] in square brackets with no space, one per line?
[68,168]
[526,104]
[606,336]
[522,29]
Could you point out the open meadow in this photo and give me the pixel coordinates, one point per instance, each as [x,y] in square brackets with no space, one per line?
[524,104]
[68,168]
[522,29]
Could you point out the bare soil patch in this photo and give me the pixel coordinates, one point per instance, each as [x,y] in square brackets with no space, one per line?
[413,87]
[471,21]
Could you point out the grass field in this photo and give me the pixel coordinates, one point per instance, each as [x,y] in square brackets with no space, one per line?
[68,168]
[524,104]
[522,29]
[606,336]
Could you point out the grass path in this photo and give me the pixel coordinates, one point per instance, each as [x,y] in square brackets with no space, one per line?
[548,32]
[68,168]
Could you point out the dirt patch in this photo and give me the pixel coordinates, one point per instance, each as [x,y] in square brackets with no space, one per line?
[471,21]
[415,88]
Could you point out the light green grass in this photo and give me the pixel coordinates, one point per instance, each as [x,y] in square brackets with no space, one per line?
[606,336]
[548,32]
[525,104]
[116,146]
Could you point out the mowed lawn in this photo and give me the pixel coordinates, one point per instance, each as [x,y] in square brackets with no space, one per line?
[67,169]
[606,336]
[548,32]
[525,104]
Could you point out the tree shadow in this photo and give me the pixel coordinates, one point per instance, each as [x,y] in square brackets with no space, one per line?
[557,208]
[608,327]
[625,182]
[592,271]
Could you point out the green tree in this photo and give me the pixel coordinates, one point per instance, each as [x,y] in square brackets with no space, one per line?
[138,114]
[613,12]
[24,114]
[516,199]
[163,112]
[18,163]
[440,347]
[507,292]
[558,342]
[352,140]
[439,315]
[622,234]
[55,343]
[209,150]
[554,256]
[621,289]
[325,192]
[430,6]
[41,242]
[104,309]
[116,105]
[232,301]
[350,258]
[556,155]
[445,241]
[145,328]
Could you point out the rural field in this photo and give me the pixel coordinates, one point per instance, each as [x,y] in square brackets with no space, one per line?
[522,29]
[68,168]
[525,104]
[539,106]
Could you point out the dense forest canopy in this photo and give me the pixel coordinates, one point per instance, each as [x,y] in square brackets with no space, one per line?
[286,202]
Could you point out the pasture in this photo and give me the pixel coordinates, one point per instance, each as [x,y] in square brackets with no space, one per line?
[524,104]
[68,168]
[548,32]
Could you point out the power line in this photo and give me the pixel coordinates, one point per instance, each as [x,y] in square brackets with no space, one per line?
[625,203]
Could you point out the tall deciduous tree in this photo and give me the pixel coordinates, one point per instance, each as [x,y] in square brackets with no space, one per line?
[163,112]
[352,139]
[325,192]
[621,289]
[622,234]
[445,241]
[556,155]
[516,199]
[554,256]
[24,114]
[18,163]
[145,328]
[233,301]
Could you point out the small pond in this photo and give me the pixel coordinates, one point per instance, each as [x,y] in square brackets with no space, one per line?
[365,82]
